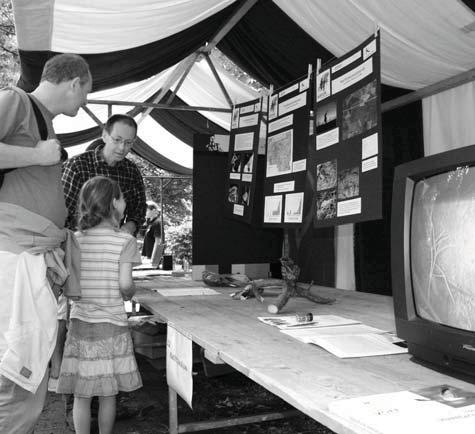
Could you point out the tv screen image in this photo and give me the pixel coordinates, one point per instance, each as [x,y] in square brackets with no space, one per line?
[443,248]
[433,259]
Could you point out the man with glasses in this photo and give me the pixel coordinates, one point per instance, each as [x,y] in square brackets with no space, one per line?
[108,158]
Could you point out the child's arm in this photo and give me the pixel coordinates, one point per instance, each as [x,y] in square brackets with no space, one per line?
[126,283]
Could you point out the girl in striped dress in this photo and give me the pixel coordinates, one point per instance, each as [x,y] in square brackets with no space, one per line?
[98,356]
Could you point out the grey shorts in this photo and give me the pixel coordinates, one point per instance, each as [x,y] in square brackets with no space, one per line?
[20,409]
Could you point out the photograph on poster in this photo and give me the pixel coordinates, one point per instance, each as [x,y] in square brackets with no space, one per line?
[273,209]
[245,194]
[359,111]
[323,85]
[293,208]
[326,175]
[246,162]
[243,142]
[235,118]
[326,204]
[235,162]
[273,107]
[279,153]
[218,143]
[233,193]
[326,117]
[348,183]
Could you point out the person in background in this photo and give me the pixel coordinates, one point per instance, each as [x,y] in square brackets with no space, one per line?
[98,357]
[32,203]
[152,242]
[108,158]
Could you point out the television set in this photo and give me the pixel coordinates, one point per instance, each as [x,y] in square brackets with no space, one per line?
[433,258]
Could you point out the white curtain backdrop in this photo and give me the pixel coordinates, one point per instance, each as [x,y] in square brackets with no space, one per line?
[449,119]
[345,258]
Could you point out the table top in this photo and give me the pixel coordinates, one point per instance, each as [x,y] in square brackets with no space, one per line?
[304,375]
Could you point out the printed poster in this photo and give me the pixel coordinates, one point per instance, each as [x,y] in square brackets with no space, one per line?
[247,125]
[288,133]
[345,159]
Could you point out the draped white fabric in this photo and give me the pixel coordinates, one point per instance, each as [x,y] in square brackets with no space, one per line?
[92,26]
[421,40]
[448,119]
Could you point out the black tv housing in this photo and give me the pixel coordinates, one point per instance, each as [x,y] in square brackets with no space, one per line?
[447,347]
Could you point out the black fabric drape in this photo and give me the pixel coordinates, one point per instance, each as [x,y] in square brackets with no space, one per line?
[270,46]
[134,64]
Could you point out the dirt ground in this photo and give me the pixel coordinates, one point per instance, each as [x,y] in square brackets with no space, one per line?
[229,395]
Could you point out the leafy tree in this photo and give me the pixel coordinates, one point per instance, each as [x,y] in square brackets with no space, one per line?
[9,59]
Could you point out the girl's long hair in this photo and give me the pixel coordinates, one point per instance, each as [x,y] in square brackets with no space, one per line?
[96,202]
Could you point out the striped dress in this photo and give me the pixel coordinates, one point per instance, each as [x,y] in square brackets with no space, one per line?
[98,357]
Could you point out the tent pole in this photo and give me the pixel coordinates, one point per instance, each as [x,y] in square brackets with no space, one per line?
[448,83]
[160,106]
[218,79]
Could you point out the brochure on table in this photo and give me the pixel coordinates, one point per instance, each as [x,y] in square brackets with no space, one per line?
[286,154]
[346,158]
[440,409]
[246,126]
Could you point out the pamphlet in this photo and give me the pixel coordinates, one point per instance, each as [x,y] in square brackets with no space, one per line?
[180,292]
[409,412]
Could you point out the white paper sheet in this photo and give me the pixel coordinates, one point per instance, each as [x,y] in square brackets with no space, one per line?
[180,292]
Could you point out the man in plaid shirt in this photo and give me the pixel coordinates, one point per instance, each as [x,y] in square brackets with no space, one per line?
[108,159]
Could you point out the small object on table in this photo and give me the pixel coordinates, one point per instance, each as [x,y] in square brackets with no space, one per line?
[304,317]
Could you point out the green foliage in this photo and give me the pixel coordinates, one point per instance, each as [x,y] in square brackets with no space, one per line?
[179,239]
[177,205]
[9,59]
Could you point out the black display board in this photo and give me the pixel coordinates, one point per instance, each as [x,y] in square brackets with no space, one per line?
[286,154]
[219,240]
[240,194]
[347,156]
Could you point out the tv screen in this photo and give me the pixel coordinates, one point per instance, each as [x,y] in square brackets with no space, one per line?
[433,258]
[442,248]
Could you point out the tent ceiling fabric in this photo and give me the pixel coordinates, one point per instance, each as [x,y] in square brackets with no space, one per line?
[423,41]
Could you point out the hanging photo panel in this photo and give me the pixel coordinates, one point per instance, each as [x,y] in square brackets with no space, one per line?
[345,159]
[288,132]
[239,196]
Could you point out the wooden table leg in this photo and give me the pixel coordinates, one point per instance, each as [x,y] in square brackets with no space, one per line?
[172,411]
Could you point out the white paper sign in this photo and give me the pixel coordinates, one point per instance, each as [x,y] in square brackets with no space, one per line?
[247,177]
[349,207]
[238,209]
[243,142]
[247,109]
[353,76]
[293,103]
[299,166]
[369,164]
[180,363]
[347,61]
[279,187]
[327,139]
[369,146]
[248,121]
[235,175]
[281,123]
[288,90]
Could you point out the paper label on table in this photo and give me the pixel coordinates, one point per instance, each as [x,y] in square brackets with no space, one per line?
[180,363]
[180,292]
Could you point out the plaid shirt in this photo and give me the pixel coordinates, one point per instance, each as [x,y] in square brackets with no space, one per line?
[80,168]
